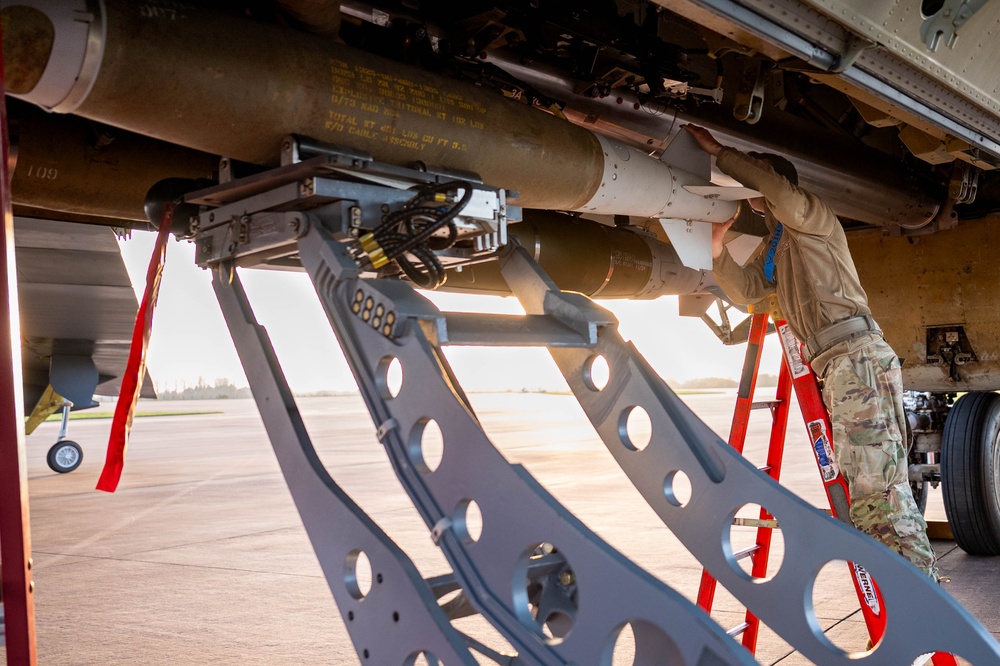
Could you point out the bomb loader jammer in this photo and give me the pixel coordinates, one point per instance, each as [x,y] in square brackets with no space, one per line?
[551,587]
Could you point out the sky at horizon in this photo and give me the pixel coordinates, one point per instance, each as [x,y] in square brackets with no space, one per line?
[190,341]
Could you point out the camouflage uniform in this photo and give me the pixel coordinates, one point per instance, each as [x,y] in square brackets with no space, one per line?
[817,286]
[863,390]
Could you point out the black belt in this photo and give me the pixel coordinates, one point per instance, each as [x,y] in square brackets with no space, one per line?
[837,332]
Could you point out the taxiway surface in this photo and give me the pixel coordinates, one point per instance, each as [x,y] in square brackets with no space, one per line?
[200,557]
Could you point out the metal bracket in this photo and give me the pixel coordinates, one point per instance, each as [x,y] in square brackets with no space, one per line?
[714,94]
[257,219]
[854,46]
[724,330]
[749,103]
[964,183]
[944,24]
[949,346]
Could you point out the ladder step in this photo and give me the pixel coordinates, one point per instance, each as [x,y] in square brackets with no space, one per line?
[764,468]
[738,629]
[746,552]
[765,404]
[769,523]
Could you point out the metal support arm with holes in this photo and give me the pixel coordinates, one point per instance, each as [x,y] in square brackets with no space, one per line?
[399,618]
[549,585]
[922,618]
[601,589]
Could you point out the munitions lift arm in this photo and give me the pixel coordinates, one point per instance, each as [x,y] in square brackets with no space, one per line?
[549,585]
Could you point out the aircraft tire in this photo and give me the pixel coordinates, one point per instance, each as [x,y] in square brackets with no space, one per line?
[64,456]
[970,472]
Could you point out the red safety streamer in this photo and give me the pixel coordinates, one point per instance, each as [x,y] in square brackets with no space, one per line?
[135,371]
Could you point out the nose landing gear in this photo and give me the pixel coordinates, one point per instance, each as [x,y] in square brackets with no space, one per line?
[65,455]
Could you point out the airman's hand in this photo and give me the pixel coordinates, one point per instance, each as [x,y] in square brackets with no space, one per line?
[704,138]
[718,233]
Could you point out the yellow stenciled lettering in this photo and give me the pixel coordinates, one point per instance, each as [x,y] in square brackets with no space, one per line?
[403,143]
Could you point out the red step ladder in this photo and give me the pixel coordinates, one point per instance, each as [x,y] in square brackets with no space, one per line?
[795,375]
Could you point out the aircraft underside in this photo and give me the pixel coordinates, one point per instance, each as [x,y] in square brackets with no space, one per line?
[892,141]
[315,135]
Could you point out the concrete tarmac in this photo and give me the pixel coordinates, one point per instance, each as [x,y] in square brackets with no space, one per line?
[200,557]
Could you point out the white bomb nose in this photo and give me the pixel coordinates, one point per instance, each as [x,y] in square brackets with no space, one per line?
[55,51]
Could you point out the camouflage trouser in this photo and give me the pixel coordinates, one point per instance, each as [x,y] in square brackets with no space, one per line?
[863,391]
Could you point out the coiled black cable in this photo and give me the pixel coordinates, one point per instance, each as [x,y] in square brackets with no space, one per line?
[406,236]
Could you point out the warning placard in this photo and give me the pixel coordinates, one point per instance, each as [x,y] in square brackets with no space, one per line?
[793,351]
[824,450]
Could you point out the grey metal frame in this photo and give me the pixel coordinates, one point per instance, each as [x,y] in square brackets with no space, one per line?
[399,618]
[519,516]
[549,585]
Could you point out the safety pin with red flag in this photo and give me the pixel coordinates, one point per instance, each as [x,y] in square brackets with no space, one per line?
[135,371]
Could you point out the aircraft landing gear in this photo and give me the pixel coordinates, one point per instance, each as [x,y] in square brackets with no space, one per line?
[925,417]
[65,455]
[970,467]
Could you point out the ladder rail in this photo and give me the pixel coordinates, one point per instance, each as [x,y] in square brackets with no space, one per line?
[748,382]
[819,427]
[820,432]
[739,428]
[749,628]
[775,455]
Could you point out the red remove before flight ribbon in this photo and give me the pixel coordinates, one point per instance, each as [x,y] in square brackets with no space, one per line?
[135,371]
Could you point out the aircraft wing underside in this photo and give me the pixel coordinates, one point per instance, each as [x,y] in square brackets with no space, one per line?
[75,300]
